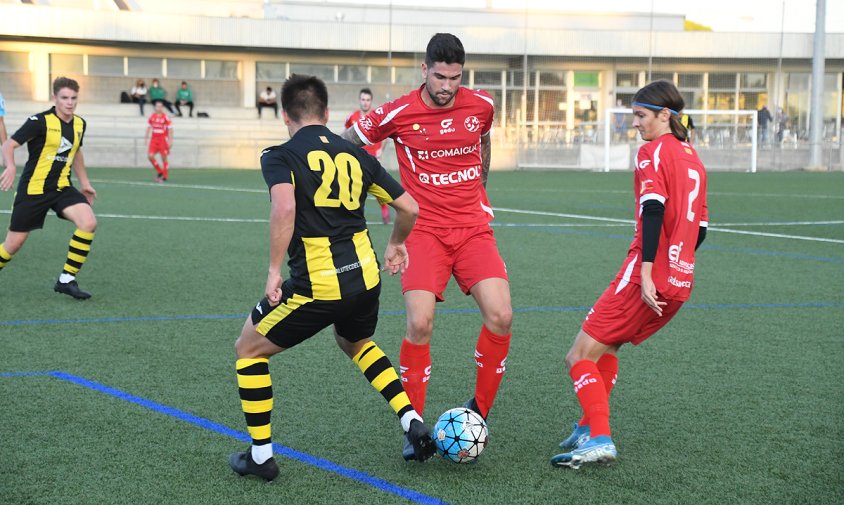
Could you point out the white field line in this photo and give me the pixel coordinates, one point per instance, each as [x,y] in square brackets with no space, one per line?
[538,190]
[712,228]
[181,186]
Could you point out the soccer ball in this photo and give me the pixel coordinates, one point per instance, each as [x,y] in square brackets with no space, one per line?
[460,435]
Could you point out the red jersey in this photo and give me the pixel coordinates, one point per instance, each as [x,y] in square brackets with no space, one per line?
[370,148]
[160,124]
[439,154]
[669,170]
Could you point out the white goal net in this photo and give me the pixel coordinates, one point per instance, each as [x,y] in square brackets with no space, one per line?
[724,140]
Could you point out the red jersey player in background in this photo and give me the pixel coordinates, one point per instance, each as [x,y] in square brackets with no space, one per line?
[375,149]
[655,278]
[159,138]
[442,137]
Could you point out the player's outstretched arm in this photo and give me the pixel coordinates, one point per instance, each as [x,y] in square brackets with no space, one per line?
[82,174]
[396,259]
[352,136]
[486,156]
[282,220]
[8,175]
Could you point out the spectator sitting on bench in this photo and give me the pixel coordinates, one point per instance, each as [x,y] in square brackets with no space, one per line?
[184,97]
[158,94]
[268,99]
[139,94]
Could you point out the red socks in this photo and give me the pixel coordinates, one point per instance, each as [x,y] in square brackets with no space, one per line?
[592,395]
[491,358]
[415,366]
[608,367]
[157,167]
[165,169]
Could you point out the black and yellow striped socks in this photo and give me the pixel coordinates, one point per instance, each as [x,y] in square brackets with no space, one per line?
[5,257]
[80,246]
[378,370]
[256,399]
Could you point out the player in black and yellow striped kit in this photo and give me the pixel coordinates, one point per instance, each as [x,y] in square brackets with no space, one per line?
[54,138]
[318,184]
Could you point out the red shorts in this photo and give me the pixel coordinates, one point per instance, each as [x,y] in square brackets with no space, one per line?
[622,317]
[159,145]
[470,254]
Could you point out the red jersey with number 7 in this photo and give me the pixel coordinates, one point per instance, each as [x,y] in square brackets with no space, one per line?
[669,170]
[439,154]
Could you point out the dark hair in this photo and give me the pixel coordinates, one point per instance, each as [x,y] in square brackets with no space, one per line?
[184,83]
[664,94]
[64,82]
[304,96]
[445,48]
[365,91]
[269,88]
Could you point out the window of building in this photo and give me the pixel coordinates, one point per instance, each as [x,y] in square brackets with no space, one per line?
[184,69]
[144,67]
[408,75]
[271,71]
[379,74]
[324,72]
[487,78]
[61,64]
[222,70]
[627,79]
[552,105]
[352,73]
[690,80]
[13,61]
[722,81]
[553,78]
[753,80]
[662,76]
[105,65]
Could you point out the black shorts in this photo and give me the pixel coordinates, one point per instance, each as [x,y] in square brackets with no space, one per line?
[29,211]
[298,318]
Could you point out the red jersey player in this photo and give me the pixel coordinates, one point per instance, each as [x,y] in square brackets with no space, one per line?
[365,100]
[655,278]
[442,137]
[159,137]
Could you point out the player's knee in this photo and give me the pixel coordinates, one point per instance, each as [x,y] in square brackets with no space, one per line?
[88,224]
[420,328]
[572,357]
[13,244]
[500,321]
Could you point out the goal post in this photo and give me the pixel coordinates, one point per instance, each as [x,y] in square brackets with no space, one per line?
[722,138]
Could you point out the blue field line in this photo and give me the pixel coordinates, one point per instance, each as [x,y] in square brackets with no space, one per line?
[717,306]
[308,459]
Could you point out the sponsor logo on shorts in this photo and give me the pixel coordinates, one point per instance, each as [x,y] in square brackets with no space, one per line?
[472,124]
[456,177]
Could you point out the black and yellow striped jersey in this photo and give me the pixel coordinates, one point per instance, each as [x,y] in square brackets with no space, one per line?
[330,253]
[52,145]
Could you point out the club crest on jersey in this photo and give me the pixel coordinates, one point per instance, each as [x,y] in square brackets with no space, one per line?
[365,123]
[446,126]
[472,124]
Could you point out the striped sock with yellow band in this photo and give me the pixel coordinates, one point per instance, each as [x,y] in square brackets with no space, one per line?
[80,246]
[378,370]
[256,399]
[5,257]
